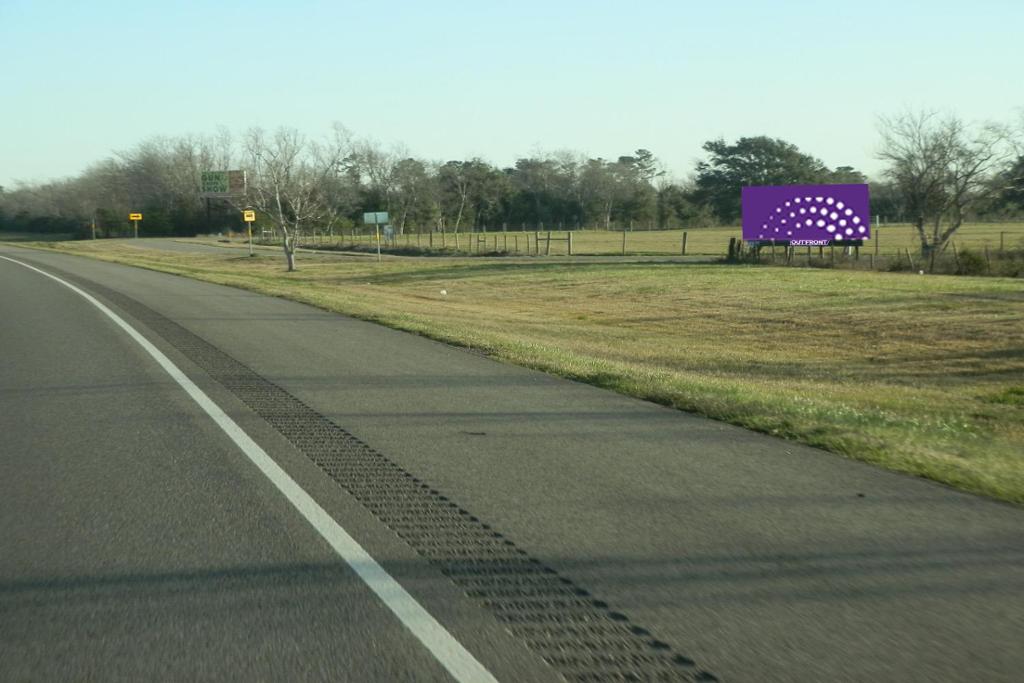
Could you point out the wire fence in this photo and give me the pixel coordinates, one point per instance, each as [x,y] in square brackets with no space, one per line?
[886,242]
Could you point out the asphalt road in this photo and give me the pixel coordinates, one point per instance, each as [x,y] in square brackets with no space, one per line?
[136,541]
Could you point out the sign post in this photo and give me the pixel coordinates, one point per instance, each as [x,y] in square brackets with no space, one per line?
[135,218]
[249,216]
[376,218]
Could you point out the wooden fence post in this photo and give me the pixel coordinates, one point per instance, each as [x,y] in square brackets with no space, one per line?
[684,244]
[570,244]
[623,241]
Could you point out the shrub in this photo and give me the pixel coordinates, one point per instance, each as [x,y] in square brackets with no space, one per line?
[971,263]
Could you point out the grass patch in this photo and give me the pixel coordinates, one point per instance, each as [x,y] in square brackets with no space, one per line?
[1014,396]
[921,375]
[35,236]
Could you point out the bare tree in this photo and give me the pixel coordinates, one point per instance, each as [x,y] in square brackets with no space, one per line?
[455,183]
[289,180]
[411,196]
[374,168]
[942,168]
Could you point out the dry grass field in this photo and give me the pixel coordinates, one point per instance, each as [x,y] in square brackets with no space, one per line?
[920,374]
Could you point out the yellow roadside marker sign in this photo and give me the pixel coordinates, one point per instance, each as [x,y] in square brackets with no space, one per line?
[135,216]
[249,216]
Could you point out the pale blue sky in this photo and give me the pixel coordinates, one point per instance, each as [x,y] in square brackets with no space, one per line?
[451,80]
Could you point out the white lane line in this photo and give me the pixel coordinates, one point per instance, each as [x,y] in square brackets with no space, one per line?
[448,651]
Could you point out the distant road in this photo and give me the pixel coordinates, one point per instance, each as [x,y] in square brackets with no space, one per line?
[552,529]
[169,244]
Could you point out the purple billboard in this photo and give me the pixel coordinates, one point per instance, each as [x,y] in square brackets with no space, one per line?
[806,214]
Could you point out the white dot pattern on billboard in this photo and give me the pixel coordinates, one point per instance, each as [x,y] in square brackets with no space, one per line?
[835,216]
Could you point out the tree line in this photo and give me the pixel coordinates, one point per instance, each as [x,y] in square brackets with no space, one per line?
[940,172]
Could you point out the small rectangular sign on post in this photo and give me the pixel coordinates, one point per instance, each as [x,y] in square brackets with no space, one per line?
[376,219]
[249,216]
[135,218]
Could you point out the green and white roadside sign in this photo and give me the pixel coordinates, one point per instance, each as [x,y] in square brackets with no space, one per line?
[376,219]
[222,183]
[214,182]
